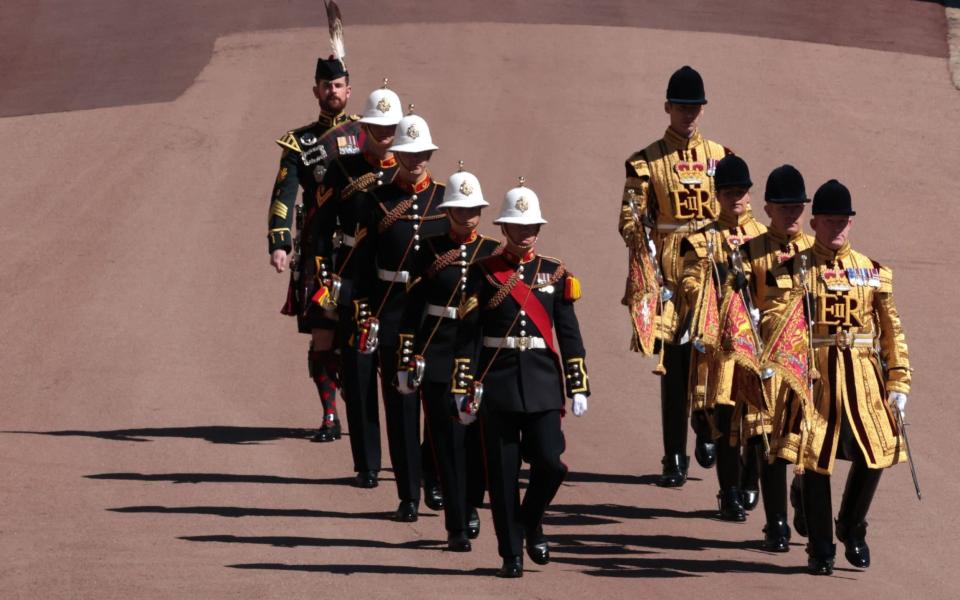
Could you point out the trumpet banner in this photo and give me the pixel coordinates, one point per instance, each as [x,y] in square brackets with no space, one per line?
[706,318]
[788,348]
[737,337]
[641,298]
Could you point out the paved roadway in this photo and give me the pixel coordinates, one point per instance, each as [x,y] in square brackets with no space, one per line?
[155,400]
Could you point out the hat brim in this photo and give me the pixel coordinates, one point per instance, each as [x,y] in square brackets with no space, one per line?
[464,204]
[800,200]
[519,221]
[413,147]
[851,213]
[734,184]
[385,121]
[699,101]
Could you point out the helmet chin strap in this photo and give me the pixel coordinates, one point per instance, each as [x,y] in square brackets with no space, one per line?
[519,245]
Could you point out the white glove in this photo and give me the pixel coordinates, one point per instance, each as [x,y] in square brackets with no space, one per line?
[460,401]
[403,383]
[755,315]
[898,402]
[579,405]
[653,248]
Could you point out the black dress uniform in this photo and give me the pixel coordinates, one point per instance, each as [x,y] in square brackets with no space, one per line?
[346,177]
[432,322]
[398,217]
[523,382]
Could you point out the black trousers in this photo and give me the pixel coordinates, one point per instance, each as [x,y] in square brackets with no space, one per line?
[457,454]
[509,438]
[674,399]
[858,492]
[403,428]
[358,387]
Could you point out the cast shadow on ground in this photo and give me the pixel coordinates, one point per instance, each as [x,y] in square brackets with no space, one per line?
[294,542]
[224,478]
[613,513]
[367,569]
[236,511]
[614,478]
[215,434]
[644,567]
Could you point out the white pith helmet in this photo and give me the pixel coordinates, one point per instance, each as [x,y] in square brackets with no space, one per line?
[463,191]
[412,135]
[521,206]
[383,107]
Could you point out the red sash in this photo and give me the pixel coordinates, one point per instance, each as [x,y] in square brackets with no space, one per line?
[521,292]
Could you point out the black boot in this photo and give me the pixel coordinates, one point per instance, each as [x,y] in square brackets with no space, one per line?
[457,541]
[512,567]
[329,431]
[433,497]
[706,449]
[750,475]
[851,522]
[366,480]
[796,501]
[537,548]
[406,512]
[776,535]
[473,524]
[820,555]
[728,501]
[674,471]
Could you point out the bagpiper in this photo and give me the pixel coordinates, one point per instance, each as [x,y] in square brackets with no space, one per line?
[669,194]
[849,401]
[436,293]
[511,370]
[307,151]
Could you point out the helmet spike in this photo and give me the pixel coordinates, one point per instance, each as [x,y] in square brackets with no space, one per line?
[523,180]
[460,166]
[410,109]
[385,80]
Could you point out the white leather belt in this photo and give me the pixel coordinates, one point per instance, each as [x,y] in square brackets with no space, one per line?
[348,240]
[450,312]
[521,343]
[691,225]
[844,339]
[393,276]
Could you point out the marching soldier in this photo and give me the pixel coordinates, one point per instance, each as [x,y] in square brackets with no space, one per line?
[398,217]
[431,320]
[507,356]
[766,261]
[306,153]
[346,177]
[707,263]
[669,194]
[860,374]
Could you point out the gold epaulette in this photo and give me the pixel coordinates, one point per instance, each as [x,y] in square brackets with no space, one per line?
[289,141]
[638,163]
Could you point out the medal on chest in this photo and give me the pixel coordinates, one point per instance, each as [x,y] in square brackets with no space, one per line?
[347,144]
[864,277]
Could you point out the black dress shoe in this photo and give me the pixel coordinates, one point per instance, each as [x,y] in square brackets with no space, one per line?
[457,541]
[406,512]
[776,535]
[705,453]
[433,497]
[750,498]
[796,501]
[854,538]
[820,558]
[366,480]
[674,471]
[473,524]
[512,567]
[328,433]
[729,503]
[537,547]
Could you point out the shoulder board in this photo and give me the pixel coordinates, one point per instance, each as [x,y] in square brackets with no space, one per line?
[289,141]
[571,289]
[637,165]
[551,259]
[353,117]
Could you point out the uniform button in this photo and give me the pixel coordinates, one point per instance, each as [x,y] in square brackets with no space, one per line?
[463,269]
[463,255]
[407,343]
[379,182]
[415,207]
[523,332]
[463,247]
[413,197]
[463,286]
[523,313]
[523,323]
[416,226]
[379,173]
[416,248]
[416,236]
[323,273]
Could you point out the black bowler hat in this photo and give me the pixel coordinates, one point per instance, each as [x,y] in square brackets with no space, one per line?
[732,171]
[329,69]
[833,198]
[785,186]
[686,87]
